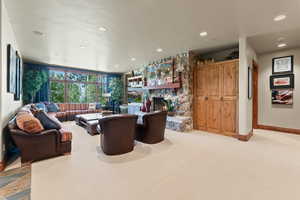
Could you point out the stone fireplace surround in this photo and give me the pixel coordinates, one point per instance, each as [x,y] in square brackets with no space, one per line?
[182,121]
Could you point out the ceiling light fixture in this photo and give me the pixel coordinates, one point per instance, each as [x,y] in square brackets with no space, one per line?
[203,34]
[82,46]
[159,50]
[281,45]
[103,29]
[133,59]
[39,33]
[279,18]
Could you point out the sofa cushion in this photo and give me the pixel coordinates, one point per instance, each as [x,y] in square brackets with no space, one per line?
[65,135]
[41,106]
[28,123]
[98,106]
[52,107]
[47,121]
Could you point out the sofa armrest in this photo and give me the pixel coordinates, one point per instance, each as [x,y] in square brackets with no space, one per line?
[24,134]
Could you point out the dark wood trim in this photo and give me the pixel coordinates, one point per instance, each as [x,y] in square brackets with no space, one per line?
[255,95]
[2,165]
[244,138]
[279,129]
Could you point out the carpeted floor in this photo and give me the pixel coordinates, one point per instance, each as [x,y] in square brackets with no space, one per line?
[15,184]
[189,166]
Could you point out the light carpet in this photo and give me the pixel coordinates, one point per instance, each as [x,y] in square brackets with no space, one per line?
[189,166]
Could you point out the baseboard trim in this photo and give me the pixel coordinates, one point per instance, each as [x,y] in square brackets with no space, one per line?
[244,138]
[279,129]
[2,165]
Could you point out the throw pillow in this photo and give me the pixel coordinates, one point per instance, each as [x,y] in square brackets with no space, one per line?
[98,106]
[52,107]
[92,106]
[41,106]
[47,121]
[29,123]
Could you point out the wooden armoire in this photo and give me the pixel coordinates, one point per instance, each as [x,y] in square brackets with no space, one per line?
[215,97]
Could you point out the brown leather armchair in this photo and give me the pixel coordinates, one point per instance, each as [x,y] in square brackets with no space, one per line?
[40,146]
[152,129]
[117,133]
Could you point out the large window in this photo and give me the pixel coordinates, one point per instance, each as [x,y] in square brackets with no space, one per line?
[76,86]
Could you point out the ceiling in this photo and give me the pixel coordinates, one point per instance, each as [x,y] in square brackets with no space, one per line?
[266,43]
[136,28]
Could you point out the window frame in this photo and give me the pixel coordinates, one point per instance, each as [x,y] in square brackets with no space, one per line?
[66,81]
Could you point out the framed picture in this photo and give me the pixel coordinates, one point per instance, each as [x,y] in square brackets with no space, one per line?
[283,81]
[250,82]
[11,69]
[283,65]
[282,97]
[17,95]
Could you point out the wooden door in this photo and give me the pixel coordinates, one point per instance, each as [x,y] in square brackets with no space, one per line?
[229,98]
[200,98]
[214,98]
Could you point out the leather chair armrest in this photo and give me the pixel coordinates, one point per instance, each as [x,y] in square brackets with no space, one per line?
[99,130]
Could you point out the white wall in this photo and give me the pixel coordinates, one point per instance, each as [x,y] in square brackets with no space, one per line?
[247,55]
[7,104]
[277,115]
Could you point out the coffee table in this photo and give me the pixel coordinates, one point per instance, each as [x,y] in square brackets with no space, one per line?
[90,121]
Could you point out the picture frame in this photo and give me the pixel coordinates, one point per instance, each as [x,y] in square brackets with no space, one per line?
[17,95]
[282,81]
[11,69]
[250,83]
[282,97]
[283,64]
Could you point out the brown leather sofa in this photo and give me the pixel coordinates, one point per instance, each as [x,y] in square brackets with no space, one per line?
[152,129]
[117,133]
[68,111]
[39,146]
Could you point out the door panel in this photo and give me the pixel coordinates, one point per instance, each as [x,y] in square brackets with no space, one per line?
[200,92]
[229,116]
[201,113]
[213,78]
[229,79]
[214,114]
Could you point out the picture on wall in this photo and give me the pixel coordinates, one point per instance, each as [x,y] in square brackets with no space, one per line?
[282,97]
[250,82]
[17,95]
[284,81]
[283,65]
[11,69]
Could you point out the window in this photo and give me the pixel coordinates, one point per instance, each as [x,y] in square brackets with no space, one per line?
[77,86]
[57,91]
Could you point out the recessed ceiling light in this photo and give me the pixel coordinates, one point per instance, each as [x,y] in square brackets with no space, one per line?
[203,34]
[281,45]
[159,50]
[103,29]
[279,18]
[39,33]
[82,46]
[133,59]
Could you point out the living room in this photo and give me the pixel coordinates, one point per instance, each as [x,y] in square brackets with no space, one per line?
[151,100]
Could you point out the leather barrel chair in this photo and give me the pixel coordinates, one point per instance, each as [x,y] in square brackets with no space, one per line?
[152,129]
[117,133]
